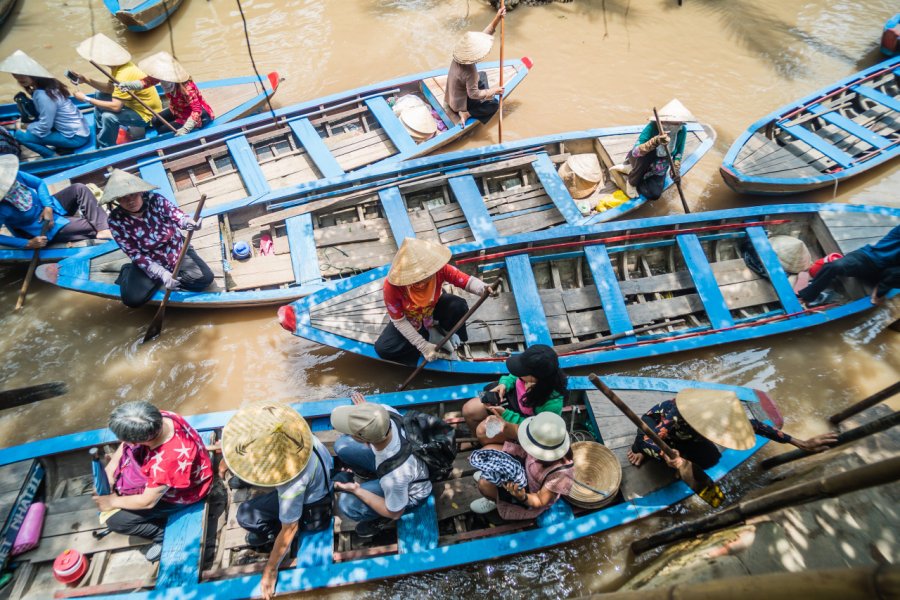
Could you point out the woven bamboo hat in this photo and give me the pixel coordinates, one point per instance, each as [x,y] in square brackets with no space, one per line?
[122,183]
[544,436]
[596,466]
[417,260]
[674,112]
[164,67]
[419,122]
[472,47]
[103,50]
[19,63]
[267,444]
[9,168]
[582,174]
[792,253]
[718,416]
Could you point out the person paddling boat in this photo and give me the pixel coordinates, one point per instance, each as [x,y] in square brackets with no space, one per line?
[468,93]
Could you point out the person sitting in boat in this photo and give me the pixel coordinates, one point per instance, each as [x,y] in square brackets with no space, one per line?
[878,264]
[271,446]
[160,467]
[187,109]
[71,214]
[535,385]
[468,93]
[698,419]
[418,306]
[372,438]
[146,226]
[115,107]
[542,448]
[59,125]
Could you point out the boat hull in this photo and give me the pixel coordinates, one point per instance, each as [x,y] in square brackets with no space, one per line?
[143,16]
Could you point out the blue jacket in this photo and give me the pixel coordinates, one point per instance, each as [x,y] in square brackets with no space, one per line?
[885,253]
[29,221]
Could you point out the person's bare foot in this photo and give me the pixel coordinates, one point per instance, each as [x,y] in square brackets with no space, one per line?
[636,459]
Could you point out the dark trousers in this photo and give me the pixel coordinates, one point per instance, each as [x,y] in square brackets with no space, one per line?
[699,450]
[77,198]
[259,515]
[136,287]
[649,186]
[482,110]
[108,122]
[149,523]
[391,345]
[855,264]
[168,116]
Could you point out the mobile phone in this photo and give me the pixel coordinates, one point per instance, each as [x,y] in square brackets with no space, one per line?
[72,77]
[489,398]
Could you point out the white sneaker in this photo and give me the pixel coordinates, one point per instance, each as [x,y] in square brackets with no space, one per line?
[476,476]
[482,506]
[623,168]
[631,191]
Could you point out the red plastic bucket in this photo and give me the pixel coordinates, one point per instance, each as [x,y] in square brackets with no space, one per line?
[69,567]
[124,137]
[817,266]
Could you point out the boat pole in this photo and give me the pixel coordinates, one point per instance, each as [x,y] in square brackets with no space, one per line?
[676,176]
[33,393]
[134,97]
[502,40]
[862,405]
[29,275]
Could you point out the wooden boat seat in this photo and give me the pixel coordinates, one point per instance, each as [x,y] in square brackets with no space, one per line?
[611,298]
[315,147]
[391,124]
[851,127]
[705,282]
[805,135]
[352,150]
[471,203]
[553,183]
[303,249]
[878,96]
[417,529]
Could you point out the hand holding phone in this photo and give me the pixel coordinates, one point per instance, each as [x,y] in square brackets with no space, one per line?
[73,77]
[489,398]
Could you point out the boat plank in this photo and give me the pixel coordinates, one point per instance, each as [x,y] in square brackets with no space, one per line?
[611,298]
[315,147]
[777,276]
[809,137]
[417,529]
[878,96]
[397,216]
[391,124]
[471,202]
[179,562]
[556,189]
[528,303]
[704,280]
[245,159]
[303,254]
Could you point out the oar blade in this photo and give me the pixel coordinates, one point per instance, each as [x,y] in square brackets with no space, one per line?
[708,490]
[34,393]
[155,327]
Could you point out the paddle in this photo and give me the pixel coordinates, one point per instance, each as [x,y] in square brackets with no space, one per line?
[502,40]
[29,275]
[134,97]
[576,346]
[155,327]
[696,478]
[32,393]
[462,321]
[676,176]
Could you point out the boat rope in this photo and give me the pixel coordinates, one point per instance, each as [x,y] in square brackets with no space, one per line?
[253,61]
[169,27]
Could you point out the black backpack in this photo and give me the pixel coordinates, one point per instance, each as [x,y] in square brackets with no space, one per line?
[426,437]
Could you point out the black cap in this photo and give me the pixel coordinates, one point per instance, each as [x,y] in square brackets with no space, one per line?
[539,361]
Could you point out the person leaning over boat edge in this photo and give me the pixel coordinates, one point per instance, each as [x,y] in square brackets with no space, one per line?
[270,445]
[146,226]
[468,93]
[419,310]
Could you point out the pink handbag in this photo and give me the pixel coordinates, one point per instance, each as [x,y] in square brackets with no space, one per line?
[29,535]
[130,481]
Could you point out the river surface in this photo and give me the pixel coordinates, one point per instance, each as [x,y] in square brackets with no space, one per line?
[597,63]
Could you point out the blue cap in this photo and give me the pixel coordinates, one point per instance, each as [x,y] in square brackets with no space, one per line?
[241,250]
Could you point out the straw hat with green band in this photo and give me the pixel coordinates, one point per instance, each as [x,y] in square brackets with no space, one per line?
[122,183]
[417,260]
[718,416]
[544,436]
[19,63]
[164,67]
[102,50]
[9,168]
[267,444]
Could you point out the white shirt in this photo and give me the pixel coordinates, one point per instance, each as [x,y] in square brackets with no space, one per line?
[309,486]
[399,491]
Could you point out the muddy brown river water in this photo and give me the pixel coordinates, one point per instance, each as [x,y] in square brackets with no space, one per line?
[597,63]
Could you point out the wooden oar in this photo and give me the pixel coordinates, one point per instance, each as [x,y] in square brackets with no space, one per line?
[862,405]
[575,346]
[155,327]
[33,393]
[696,478]
[29,275]
[462,321]
[134,97]
[502,40]
[676,176]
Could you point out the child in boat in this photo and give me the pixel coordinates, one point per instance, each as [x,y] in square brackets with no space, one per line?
[59,124]
[419,310]
[187,109]
[698,419]
[468,93]
[535,385]
[542,447]
[269,445]
[26,204]
[146,226]
[160,467]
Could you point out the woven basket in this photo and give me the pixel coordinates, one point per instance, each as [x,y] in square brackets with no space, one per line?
[598,467]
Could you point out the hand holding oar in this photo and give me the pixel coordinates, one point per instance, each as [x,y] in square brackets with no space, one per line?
[155,327]
[29,275]
[462,321]
[134,97]
[33,393]
[676,176]
[691,474]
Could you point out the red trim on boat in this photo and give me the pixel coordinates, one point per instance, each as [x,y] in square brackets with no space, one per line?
[287,317]
[768,405]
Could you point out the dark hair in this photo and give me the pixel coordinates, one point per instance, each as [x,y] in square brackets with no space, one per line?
[544,387]
[136,422]
[54,87]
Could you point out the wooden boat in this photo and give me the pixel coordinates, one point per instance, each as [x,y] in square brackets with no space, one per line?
[325,231]
[142,15]
[203,554]
[682,276]
[230,99]
[6,7]
[822,139]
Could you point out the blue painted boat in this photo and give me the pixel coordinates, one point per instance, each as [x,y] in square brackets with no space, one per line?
[142,15]
[681,275]
[324,231]
[230,99]
[890,38]
[202,555]
[822,139]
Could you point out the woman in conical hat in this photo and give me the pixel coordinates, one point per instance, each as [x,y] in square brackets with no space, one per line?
[468,93]
[699,419]
[59,124]
[419,310]
[187,109]
[115,107]
[146,226]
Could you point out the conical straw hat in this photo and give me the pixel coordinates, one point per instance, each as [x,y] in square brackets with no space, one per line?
[419,122]
[718,416]
[122,183]
[596,466]
[472,47]
[19,63]
[164,67]
[582,174]
[103,50]
[417,260]
[792,253]
[267,444]
[9,168]
[674,112]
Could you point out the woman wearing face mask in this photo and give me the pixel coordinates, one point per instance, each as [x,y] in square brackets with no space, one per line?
[187,109]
